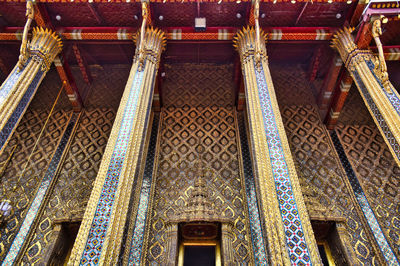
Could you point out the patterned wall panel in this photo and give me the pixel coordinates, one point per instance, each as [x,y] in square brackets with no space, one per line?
[320,173]
[82,161]
[198,85]
[291,86]
[187,134]
[354,111]
[378,175]
[25,137]
[321,176]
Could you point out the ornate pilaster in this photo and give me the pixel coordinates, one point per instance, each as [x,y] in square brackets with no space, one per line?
[289,235]
[100,235]
[379,95]
[20,86]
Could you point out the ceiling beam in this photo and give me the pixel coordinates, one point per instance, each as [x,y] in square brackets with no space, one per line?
[314,66]
[339,98]
[363,40]
[344,80]
[43,20]
[87,76]
[329,84]
[181,33]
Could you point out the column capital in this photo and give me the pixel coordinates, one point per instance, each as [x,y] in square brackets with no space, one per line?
[153,45]
[351,55]
[245,43]
[44,46]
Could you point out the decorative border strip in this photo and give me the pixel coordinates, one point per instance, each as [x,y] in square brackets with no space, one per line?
[22,105]
[377,115]
[393,97]
[136,246]
[98,229]
[9,83]
[182,33]
[295,239]
[39,198]
[257,238]
[363,202]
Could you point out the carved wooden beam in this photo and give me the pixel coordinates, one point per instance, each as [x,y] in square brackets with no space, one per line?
[42,19]
[341,92]
[328,87]
[179,33]
[314,65]
[87,76]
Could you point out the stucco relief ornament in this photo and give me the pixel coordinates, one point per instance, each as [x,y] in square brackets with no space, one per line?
[141,49]
[379,62]
[343,41]
[24,50]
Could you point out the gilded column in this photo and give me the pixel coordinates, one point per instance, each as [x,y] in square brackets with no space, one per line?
[289,235]
[370,75]
[99,237]
[20,86]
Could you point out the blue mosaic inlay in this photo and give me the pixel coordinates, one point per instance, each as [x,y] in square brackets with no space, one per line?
[295,239]
[393,99]
[141,217]
[22,105]
[377,114]
[98,229]
[9,83]
[38,200]
[257,238]
[363,202]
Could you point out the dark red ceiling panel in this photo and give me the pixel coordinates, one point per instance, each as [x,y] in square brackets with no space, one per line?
[391,33]
[286,14]
[324,15]
[13,14]
[174,14]
[225,14]
[120,14]
[72,15]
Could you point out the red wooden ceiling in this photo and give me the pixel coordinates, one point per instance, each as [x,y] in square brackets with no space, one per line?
[317,14]
[281,14]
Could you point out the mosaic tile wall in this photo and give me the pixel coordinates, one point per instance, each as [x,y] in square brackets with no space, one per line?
[354,111]
[25,137]
[320,173]
[297,246]
[378,116]
[378,175]
[34,211]
[12,122]
[205,129]
[181,86]
[256,223]
[138,223]
[188,133]
[83,159]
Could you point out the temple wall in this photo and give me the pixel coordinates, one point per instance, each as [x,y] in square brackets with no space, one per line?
[199,108]
[323,181]
[198,136]
[374,166]
[25,137]
[69,198]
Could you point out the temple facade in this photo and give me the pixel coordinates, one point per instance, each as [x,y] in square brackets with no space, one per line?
[199,132]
